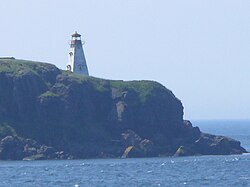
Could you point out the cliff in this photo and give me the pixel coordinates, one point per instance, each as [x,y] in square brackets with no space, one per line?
[49,113]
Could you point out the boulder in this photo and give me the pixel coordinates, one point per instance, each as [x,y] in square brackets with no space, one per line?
[209,144]
[135,146]
[184,151]
[11,148]
[17,148]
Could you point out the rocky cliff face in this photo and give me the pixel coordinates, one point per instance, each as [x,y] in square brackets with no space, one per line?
[89,117]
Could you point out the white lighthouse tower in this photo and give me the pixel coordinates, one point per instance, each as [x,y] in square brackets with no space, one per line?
[77,62]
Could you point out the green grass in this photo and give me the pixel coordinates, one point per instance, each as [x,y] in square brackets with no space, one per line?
[48,94]
[20,67]
[97,83]
[6,130]
[144,89]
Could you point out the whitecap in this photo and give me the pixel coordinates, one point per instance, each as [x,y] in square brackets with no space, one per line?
[246,154]
[244,178]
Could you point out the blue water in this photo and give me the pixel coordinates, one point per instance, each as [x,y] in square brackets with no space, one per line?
[233,170]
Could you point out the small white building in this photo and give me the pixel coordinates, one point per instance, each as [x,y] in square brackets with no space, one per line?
[77,62]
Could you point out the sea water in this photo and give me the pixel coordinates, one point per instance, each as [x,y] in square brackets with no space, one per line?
[232,170]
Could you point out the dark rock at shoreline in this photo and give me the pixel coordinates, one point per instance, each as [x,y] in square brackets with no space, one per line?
[140,147]
[217,145]
[88,117]
[17,148]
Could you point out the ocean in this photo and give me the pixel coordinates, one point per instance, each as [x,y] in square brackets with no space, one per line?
[232,170]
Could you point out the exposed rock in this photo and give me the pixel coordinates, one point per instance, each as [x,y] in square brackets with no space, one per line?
[17,148]
[146,146]
[85,117]
[217,145]
[130,138]
[11,148]
[181,151]
[140,147]
[185,151]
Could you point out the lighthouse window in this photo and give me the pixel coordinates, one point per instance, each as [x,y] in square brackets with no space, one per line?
[69,67]
[70,53]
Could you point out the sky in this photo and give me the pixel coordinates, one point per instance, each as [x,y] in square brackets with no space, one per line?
[198,49]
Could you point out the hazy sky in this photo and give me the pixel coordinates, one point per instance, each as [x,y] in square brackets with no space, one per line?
[199,49]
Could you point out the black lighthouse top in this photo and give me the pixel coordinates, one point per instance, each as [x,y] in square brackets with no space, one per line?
[76,36]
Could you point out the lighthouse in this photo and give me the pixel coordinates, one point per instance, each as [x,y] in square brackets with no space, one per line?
[77,62]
